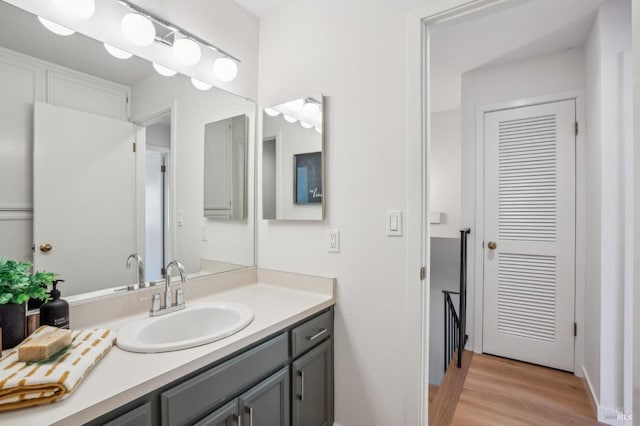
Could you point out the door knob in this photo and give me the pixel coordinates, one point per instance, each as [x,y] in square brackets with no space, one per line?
[45,247]
[492,245]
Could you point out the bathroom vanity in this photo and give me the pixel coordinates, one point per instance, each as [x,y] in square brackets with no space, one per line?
[277,371]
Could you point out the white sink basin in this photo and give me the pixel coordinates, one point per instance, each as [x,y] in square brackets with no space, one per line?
[195,325]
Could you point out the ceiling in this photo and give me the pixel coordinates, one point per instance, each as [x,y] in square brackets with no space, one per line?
[260,8]
[525,29]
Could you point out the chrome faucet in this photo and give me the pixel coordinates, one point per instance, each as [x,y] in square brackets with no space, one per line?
[138,259]
[169,306]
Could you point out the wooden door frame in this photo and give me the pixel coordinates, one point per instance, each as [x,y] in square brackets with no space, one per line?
[476,292]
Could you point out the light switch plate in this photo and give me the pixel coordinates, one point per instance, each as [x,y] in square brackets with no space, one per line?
[333,241]
[394,223]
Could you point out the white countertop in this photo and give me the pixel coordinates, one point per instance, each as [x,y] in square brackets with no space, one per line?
[124,376]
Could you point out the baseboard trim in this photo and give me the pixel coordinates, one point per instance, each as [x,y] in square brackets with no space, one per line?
[603,415]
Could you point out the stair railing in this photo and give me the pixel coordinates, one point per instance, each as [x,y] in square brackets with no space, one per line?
[455,333]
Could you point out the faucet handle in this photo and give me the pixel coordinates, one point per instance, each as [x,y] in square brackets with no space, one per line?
[179,296]
[155,303]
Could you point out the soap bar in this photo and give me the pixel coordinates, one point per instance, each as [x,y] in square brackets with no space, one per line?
[45,346]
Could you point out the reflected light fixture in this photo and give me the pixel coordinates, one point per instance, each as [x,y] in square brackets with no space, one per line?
[55,28]
[118,53]
[138,29]
[306,125]
[289,118]
[311,109]
[295,105]
[200,85]
[318,129]
[164,71]
[225,69]
[271,112]
[186,51]
[76,9]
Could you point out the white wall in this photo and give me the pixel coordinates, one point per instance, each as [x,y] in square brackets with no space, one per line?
[636,207]
[291,139]
[445,172]
[609,36]
[353,52]
[528,78]
[229,241]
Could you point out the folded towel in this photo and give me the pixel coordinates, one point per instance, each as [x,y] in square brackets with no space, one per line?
[25,384]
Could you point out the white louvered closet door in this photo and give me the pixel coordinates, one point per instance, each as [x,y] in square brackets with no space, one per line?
[529,211]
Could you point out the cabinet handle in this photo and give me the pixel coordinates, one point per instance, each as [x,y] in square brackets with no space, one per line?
[237,419]
[318,334]
[301,396]
[249,410]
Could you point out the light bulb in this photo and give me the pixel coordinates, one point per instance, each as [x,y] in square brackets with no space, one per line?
[318,129]
[271,112]
[167,72]
[138,29]
[118,53]
[311,109]
[186,51]
[76,9]
[225,69]
[289,118]
[200,85]
[295,105]
[306,125]
[55,28]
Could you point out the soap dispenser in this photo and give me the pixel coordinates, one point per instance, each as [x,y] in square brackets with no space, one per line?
[56,311]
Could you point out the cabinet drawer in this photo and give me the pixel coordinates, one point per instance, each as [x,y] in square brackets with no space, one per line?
[192,399]
[140,416]
[312,332]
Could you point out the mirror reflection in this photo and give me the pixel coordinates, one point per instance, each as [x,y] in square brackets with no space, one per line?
[225,168]
[103,158]
[292,160]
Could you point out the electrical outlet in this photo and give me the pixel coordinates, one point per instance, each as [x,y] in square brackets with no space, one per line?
[333,241]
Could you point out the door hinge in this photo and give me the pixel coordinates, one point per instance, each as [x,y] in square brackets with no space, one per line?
[163,169]
[423,273]
[134,147]
[575,329]
[576,127]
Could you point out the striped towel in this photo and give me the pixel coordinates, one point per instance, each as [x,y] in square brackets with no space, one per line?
[25,384]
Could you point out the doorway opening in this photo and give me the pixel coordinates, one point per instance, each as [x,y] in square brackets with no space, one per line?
[508,55]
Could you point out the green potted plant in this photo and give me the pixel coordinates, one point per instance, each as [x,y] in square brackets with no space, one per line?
[17,285]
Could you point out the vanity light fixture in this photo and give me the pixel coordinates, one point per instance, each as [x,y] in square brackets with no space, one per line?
[200,85]
[56,28]
[164,71]
[225,69]
[306,125]
[138,29]
[187,47]
[76,9]
[186,51]
[271,112]
[118,53]
[289,118]
[318,129]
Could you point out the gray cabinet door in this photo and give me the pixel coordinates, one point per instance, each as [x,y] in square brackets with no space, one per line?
[267,403]
[140,416]
[312,384]
[226,415]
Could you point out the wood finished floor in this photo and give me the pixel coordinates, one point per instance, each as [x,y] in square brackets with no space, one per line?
[500,391]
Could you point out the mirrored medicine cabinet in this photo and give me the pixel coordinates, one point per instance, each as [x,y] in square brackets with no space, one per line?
[293,160]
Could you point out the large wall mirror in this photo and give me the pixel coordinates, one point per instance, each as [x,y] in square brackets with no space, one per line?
[293,160]
[105,157]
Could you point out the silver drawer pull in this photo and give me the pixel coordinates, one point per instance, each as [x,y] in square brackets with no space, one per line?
[301,396]
[249,410]
[237,419]
[318,334]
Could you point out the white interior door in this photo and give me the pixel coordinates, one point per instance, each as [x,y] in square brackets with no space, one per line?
[529,204]
[84,197]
